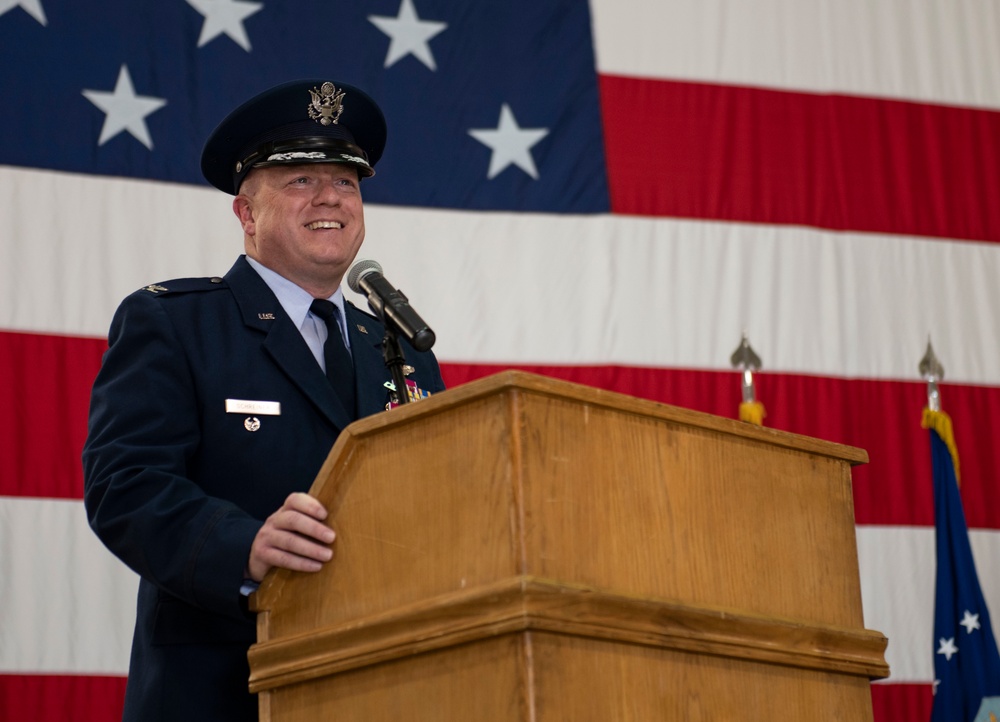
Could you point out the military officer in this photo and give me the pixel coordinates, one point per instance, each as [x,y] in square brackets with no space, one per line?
[219,398]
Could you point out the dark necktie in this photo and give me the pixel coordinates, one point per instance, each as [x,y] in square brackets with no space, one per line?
[339,366]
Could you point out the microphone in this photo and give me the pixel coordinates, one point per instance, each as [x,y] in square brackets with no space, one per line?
[389,304]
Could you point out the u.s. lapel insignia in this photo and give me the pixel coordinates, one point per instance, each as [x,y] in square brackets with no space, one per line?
[361,328]
[265,316]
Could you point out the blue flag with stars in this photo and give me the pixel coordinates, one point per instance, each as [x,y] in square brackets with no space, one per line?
[966,661]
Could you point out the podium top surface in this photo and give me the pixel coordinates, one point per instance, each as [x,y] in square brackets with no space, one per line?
[514,381]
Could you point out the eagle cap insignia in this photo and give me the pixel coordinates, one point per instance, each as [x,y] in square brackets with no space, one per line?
[327,104]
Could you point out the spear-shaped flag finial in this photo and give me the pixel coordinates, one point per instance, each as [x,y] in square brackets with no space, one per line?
[746,360]
[931,371]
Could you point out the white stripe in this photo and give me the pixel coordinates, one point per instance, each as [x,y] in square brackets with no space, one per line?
[68,604]
[535,288]
[942,51]
[897,589]
[66,260]
[674,293]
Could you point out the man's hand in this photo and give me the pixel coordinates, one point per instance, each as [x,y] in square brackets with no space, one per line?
[294,537]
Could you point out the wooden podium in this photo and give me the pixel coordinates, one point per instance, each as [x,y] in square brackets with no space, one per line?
[524,549]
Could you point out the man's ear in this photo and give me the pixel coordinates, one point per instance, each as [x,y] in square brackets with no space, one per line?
[243,209]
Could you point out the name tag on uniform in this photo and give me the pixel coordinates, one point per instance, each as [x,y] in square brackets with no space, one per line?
[261,408]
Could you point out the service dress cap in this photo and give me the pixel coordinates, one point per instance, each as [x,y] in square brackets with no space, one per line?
[303,121]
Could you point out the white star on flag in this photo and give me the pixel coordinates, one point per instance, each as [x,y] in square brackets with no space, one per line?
[225,16]
[124,110]
[970,621]
[408,34]
[32,7]
[510,144]
[947,648]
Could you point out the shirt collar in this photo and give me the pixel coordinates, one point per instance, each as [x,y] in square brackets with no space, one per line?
[293,299]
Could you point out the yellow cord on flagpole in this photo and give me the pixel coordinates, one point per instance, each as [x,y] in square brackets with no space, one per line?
[941,423]
[752,412]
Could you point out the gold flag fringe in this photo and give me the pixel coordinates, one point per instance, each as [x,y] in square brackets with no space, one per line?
[941,423]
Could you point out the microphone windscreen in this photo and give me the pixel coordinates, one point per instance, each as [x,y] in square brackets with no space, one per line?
[359,269]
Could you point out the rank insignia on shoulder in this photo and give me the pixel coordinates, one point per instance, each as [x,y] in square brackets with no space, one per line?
[413,392]
[155,288]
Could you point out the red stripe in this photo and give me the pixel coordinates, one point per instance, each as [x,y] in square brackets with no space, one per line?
[894,702]
[25,697]
[100,699]
[848,163]
[44,419]
[882,417]
[46,425]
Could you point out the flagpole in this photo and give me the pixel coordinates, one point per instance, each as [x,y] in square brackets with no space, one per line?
[932,372]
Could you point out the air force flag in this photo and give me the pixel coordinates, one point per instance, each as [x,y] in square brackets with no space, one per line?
[966,661]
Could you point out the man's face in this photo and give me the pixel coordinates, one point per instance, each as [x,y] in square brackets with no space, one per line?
[306,222]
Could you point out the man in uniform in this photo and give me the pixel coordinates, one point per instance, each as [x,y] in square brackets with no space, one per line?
[219,398]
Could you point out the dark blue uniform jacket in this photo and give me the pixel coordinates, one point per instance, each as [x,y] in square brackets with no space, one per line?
[177,487]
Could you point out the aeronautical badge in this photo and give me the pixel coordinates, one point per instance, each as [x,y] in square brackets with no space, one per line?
[327,104]
[413,392]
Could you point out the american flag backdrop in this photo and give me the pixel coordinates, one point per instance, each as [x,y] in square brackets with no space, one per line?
[609,192]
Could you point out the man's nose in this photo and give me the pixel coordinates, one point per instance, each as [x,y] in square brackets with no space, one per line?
[328,193]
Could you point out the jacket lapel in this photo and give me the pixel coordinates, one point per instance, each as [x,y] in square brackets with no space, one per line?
[282,341]
[370,373]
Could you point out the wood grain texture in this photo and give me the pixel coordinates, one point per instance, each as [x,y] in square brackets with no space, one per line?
[573,678]
[526,604]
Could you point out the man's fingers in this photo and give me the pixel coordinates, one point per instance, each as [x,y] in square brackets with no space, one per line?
[290,520]
[264,560]
[297,543]
[308,505]
[296,554]
[294,537]
[288,550]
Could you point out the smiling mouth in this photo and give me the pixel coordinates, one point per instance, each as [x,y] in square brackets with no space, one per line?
[316,225]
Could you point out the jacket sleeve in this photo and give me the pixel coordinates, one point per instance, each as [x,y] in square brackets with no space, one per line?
[140,498]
